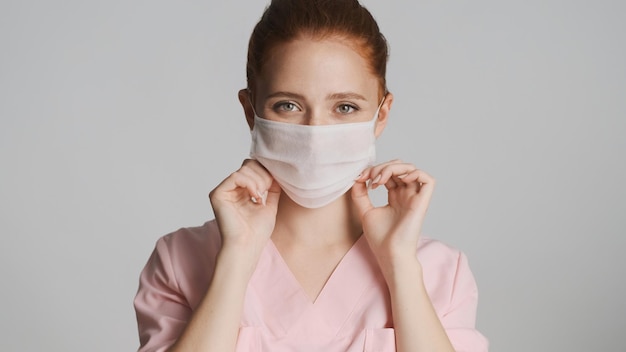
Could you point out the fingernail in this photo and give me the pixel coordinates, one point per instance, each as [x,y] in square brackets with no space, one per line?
[253,200]
[358,177]
[262,196]
[377,179]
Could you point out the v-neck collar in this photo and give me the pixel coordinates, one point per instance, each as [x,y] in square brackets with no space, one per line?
[284,301]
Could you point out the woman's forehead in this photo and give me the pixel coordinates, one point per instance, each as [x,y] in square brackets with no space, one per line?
[323,67]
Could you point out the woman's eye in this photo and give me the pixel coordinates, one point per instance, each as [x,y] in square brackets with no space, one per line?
[346,109]
[286,106]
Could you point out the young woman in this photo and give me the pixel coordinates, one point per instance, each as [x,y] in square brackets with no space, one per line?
[298,258]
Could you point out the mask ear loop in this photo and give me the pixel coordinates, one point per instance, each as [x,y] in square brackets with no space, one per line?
[381,103]
[250,96]
[378,108]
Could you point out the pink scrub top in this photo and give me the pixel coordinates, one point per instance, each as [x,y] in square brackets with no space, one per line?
[352,312]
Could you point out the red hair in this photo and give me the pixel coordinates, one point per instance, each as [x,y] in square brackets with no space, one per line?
[287,20]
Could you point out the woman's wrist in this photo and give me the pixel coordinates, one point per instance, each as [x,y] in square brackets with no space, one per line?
[238,261]
[398,267]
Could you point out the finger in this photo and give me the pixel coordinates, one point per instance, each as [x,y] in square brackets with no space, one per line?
[384,173]
[392,184]
[375,170]
[417,176]
[424,184]
[256,171]
[251,182]
[228,189]
[375,176]
[259,185]
[409,181]
[272,194]
[361,198]
[364,175]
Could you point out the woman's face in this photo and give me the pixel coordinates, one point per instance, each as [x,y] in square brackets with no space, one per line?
[317,82]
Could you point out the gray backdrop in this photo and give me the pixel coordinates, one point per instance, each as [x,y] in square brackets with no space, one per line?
[118,117]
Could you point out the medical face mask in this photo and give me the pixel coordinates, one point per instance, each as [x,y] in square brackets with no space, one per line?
[314,165]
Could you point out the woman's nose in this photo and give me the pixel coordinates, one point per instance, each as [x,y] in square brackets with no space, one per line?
[315,118]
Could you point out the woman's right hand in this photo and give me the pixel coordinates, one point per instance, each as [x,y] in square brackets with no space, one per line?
[245,205]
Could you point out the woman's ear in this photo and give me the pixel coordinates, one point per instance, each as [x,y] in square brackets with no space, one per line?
[383,115]
[246,102]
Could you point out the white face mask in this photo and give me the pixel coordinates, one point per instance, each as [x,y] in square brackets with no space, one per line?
[314,165]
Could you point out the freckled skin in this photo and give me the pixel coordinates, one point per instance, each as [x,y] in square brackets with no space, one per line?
[315,70]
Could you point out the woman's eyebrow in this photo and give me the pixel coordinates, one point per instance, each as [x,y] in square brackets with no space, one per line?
[334,96]
[345,95]
[285,95]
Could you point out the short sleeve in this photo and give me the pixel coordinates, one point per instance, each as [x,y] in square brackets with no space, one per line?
[460,318]
[162,310]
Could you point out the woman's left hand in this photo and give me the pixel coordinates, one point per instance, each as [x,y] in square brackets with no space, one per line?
[393,230]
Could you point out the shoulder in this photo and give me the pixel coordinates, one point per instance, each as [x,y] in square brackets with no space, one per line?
[203,239]
[434,253]
[446,271]
[173,282]
[187,257]
[453,292]
[190,248]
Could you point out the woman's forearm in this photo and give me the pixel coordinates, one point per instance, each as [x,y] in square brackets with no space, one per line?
[214,325]
[416,323]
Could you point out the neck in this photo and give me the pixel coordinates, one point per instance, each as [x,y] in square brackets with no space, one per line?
[334,224]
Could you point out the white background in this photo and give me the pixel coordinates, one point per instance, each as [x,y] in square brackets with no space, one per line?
[118,117]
